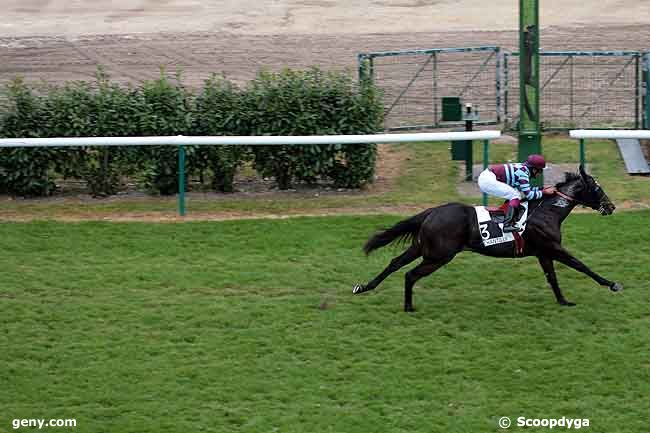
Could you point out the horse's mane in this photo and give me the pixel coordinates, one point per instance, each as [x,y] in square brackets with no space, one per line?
[568,178]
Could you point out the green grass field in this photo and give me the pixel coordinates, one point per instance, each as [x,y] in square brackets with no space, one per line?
[250,326]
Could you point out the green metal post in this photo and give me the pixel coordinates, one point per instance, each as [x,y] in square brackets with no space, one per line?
[364,67]
[646,79]
[571,85]
[506,92]
[498,80]
[181,180]
[469,152]
[469,162]
[486,163]
[530,138]
[582,151]
[637,91]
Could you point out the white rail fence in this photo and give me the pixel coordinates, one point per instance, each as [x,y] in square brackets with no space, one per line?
[606,134]
[628,143]
[261,140]
[182,141]
[612,134]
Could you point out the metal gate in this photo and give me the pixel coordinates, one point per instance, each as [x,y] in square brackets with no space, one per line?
[581,89]
[413,83]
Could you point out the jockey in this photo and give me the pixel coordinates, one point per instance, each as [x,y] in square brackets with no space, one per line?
[512,182]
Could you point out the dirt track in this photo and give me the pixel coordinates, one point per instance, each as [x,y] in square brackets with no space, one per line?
[83,17]
[60,40]
[136,57]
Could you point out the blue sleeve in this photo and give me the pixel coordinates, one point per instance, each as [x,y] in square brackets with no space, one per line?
[531,193]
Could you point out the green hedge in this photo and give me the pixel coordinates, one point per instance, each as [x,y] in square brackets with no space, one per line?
[318,103]
[25,171]
[219,110]
[290,102]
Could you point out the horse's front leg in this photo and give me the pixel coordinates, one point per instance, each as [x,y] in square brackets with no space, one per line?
[564,257]
[549,271]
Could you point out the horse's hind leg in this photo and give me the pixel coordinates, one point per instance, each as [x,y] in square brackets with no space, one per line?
[427,267]
[402,260]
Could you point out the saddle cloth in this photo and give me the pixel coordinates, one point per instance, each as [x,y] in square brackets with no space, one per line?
[491,228]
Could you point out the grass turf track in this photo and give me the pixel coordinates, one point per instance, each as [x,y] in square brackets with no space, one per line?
[250,326]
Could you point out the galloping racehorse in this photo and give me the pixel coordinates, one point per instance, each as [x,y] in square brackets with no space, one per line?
[439,233]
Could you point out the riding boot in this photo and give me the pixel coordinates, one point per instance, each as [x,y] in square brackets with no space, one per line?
[509,221]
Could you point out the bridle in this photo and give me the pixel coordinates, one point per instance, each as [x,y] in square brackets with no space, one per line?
[566,197]
[570,199]
[560,194]
[601,209]
[573,199]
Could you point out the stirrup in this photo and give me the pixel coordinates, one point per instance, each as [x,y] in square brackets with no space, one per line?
[511,228]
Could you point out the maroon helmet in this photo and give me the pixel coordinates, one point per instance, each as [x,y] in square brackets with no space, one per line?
[536,161]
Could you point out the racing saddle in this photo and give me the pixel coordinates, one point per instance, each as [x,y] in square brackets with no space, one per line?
[498,214]
[490,223]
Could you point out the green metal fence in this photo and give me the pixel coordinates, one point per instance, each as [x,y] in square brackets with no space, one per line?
[579,89]
[582,89]
[414,82]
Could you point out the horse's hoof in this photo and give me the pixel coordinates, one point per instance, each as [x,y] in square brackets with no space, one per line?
[409,309]
[616,287]
[358,288]
[568,304]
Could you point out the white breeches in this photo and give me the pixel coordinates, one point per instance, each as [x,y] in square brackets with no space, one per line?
[488,183]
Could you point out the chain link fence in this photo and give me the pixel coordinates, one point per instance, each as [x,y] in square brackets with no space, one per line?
[579,89]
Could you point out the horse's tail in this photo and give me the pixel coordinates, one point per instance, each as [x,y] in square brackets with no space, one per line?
[404,231]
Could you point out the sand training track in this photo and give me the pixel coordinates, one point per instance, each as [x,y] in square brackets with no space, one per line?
[61,40]
[75,17]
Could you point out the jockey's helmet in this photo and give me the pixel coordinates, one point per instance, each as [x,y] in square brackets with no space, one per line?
[536,161]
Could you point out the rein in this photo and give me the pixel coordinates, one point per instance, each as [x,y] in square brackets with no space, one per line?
[570,199]
[567,197]
[561,194]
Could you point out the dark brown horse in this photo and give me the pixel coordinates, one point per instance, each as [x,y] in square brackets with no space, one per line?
[439,233]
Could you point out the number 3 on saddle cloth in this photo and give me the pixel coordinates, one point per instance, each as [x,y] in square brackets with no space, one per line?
[490,225]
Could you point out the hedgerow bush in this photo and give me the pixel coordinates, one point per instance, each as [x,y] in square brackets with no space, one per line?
[117,111]
[167,110]
[24,171]
[219,111]
[313,102]
[290,102]
[102,109]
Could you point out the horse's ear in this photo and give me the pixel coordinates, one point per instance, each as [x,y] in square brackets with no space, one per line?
[583,173]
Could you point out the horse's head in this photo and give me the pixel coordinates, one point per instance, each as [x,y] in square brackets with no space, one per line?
[587,191]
